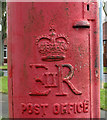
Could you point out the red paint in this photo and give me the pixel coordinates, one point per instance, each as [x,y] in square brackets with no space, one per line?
[53,49]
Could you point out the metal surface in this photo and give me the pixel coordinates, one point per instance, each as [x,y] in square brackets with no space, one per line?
[53,65]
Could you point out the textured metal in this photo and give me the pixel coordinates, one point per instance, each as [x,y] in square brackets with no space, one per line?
[53,65]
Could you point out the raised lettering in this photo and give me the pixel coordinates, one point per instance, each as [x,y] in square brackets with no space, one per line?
[24,107]
[56,108]
[39,93]
[37,108]
[70,108]
[85,106]
[44,106]
[63,108]
[53,84]
[30,108]
[79,106]
[66,80]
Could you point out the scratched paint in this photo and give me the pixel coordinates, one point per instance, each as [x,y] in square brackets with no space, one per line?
[53,60]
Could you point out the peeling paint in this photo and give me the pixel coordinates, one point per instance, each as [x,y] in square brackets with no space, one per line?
[96,62]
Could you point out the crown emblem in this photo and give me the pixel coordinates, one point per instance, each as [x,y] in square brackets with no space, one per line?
[52,47]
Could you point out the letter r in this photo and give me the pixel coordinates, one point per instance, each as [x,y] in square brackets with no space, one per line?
[66,80]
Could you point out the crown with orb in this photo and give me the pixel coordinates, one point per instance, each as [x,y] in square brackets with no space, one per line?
[52,47]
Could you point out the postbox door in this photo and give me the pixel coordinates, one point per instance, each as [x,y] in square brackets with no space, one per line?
[50,46]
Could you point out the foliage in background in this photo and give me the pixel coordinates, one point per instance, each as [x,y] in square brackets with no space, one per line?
[4,84]
[1,73]
[3,67]
[105,85]
[104,69]
[3,31]
[4,24]
[103,99]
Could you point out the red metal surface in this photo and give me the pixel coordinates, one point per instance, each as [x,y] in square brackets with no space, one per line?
[53,64]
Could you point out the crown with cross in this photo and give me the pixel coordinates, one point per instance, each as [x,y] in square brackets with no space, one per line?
[52,47]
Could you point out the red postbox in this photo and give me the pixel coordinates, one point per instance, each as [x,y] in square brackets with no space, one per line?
[53,65]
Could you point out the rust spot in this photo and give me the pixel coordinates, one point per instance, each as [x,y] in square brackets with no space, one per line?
[96,62]
[96,73]
[41,11]
[95,32]
[66,8]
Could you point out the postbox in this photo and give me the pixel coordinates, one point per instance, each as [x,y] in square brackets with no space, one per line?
[53,60]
